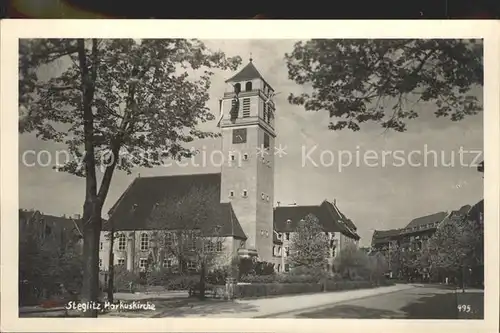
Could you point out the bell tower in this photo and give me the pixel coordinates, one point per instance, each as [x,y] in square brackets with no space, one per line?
[247,177]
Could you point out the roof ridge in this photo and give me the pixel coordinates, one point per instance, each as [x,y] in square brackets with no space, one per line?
[180,175]
[120,198]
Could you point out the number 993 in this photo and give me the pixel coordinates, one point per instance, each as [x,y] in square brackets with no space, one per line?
[464,308]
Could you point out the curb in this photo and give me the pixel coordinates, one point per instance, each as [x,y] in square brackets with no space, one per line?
[329,304]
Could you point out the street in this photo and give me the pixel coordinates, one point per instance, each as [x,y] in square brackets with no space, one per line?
[423,302]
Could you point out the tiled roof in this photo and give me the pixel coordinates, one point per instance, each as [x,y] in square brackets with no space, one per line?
[347,226]
[327,215]
[433,218]
[249,72]
[383,236]
[133,209]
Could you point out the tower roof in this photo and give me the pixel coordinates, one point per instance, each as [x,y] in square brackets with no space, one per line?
[249,72]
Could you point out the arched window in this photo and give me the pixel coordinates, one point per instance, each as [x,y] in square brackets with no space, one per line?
[237,88]
[248,86]
[121,242]
[144,242]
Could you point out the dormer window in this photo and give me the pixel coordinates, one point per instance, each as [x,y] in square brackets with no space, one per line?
[245,157]
[245,193]
[231,194]
[288,221]
[248,86]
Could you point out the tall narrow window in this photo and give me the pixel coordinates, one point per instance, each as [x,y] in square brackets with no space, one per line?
[266,140]
[246,107]
[248,86]
[144,242]
[121,242]
[169,239]
[143,263]
[237,88]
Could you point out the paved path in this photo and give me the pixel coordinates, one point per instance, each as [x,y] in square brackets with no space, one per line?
[421,302]
[267,307]
[150,295]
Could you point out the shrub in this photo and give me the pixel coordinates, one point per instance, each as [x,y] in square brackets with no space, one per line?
[264,268]
[245,266]
[250,266]
[124,280]
[272,289]
[281,278]
[182,282]
[218,276]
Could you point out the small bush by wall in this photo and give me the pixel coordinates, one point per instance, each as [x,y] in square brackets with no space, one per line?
[274,289]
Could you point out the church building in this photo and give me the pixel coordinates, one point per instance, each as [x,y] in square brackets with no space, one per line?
[249,224]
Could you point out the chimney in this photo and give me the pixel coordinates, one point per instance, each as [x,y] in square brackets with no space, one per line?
[278,203]
[76,216]
[138,175]
[335,201]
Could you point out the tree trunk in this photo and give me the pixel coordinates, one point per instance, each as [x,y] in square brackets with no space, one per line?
[463,278]
[111,275]
[202,281]
[91,233]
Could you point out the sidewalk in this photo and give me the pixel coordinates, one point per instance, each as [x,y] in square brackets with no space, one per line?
[265,307]
[153,295]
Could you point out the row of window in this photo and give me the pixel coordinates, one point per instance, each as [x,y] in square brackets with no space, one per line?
[145,243]
[121,243]
[280,235]
[244,194]
[245,108]
[277,251]
[167,263]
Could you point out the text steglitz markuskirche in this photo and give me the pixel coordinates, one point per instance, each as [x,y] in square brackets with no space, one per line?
[108,306]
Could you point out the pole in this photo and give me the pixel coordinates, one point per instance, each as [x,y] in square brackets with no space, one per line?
[111,266]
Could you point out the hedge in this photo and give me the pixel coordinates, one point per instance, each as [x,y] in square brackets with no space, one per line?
[274,289]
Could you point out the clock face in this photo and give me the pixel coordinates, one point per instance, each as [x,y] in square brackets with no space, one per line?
[240,135]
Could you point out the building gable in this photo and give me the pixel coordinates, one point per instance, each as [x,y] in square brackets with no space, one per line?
[133,209]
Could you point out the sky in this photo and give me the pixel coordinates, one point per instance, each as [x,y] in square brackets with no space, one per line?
[373,194]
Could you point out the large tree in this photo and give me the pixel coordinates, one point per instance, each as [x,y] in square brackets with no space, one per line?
[187,230]
[309,245]
[382,80]
[456,246]
[118,103]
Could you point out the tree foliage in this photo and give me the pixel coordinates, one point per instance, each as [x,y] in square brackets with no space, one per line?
[45,265]
[187,231]
[309,247]
[145,101]
[116,104]
[352,262]
[455,245]
[382,80]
